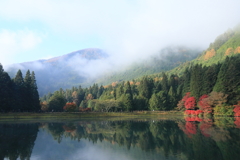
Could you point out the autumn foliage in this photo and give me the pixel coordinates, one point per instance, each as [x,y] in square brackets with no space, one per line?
[190,103]
[193,119]
[204,105]
[237,110]
[182,102]
[193,112]
[81,109]
[237,122]
[70,107]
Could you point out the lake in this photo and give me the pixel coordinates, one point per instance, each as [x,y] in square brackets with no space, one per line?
[148,139]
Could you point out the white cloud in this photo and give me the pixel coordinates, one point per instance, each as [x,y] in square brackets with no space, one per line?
[13,43]
[130,29]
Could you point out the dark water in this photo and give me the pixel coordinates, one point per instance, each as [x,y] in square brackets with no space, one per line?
[192,138]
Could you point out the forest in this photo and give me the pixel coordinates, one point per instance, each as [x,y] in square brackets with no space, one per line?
[203,90]
[18,94]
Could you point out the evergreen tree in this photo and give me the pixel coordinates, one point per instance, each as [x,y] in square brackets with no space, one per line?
[35,94]
[164,82]
[196,81]
[186,81]
[119,91]
[100,91]
[146,86]
[6,91]
[128,90]
[18,90]
[154,102]
[27,94]
[209,78]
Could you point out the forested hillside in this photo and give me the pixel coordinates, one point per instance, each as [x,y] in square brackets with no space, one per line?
[201,88]
[166,59]
[18,94]
[225,45]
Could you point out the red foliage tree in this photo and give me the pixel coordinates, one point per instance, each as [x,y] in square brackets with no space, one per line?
[70,107]
[182,101]
[190,103]
[237,110]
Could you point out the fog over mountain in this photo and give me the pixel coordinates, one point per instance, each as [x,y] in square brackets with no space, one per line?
[87,66]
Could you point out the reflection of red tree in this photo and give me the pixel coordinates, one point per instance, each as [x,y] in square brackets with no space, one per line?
[191,127]
[205,126]
[237,122]
[193,112]
[193,119]
[69,128]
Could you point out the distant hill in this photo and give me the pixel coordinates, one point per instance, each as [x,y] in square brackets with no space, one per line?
[59,72]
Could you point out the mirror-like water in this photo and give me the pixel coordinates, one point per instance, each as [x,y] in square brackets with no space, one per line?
[191,138]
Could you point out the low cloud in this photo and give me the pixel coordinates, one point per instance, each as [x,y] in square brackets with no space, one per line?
[16,42]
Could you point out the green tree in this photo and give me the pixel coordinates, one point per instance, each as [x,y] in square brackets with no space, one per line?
[154,103]
[57,102]
[6,91]
[34,92]
[18,90]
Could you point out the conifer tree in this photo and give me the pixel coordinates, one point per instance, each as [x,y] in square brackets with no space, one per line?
[164,82]
[35,94]
[27,94]
[196,81]
[18,90]
[6,92]
[186,81]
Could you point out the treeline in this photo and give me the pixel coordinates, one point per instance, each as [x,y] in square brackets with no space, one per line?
[159,93]
[18,94]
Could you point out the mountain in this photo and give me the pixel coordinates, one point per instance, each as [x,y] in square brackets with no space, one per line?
[60,72]
[225,45]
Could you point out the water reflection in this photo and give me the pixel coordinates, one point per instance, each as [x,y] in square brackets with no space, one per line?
[192,138]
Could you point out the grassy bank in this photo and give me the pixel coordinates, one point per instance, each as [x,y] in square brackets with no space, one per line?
[77,115]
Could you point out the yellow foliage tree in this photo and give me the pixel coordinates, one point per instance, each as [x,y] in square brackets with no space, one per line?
[229,51]
[237,50]
[209,54]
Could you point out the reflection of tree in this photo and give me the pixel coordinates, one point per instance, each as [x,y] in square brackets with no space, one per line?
[17,140]
[207,141]
[56,129]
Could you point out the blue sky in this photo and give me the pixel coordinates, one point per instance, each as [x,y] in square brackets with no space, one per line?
[41,29]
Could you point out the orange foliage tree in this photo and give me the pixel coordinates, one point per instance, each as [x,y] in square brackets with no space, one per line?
[203,104]
[44,106]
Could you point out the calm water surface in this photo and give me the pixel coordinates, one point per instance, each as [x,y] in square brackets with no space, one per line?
[192,138]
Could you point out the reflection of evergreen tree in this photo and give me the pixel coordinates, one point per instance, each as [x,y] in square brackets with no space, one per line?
[17,140]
